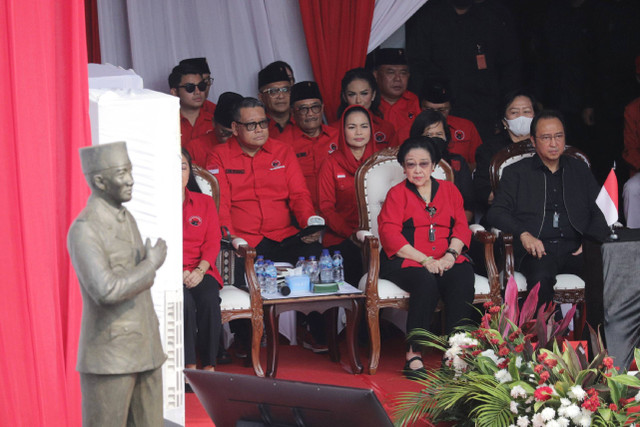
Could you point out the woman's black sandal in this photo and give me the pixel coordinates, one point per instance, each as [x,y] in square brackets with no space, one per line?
[414,374]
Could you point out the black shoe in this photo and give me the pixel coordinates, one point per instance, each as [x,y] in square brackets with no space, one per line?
[414,374]
[224,358]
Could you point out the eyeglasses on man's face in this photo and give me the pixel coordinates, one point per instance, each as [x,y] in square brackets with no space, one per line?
[251,126]
[275,91]
[304,109]
[191,87]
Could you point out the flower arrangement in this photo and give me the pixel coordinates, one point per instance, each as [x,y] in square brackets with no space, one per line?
[512,371]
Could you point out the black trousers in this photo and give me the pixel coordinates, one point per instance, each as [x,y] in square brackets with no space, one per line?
[558,260]
[202,321]
[455,287]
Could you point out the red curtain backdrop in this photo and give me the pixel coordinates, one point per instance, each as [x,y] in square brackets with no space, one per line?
[43,121]
[93,34]
[337,33]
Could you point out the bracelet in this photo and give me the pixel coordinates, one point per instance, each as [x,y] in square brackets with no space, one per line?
[452,252]
[201,270]
[425,261]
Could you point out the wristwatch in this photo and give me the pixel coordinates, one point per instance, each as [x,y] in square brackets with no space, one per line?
[453,252]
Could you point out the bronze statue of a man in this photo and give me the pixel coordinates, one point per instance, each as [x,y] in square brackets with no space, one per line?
[120,354]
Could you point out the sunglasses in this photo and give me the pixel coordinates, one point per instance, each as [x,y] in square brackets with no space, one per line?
[304,110]
[190,87]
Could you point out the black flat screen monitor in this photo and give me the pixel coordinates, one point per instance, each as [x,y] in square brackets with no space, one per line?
[234,400]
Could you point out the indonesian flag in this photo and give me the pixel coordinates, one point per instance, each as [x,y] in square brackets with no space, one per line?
[607,200]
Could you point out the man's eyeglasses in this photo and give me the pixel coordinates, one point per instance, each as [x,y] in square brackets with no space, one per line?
[190,87]
[315,108]
[275,91]
[251,126]
[547,138]
[209,81]
[225,133]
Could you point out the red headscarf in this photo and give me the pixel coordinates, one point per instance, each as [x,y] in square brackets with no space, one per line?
[344,156]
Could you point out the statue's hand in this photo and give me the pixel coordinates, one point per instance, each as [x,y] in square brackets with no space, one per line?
[157,253]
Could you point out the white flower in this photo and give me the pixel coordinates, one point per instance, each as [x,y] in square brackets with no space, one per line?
[518,391]
[537,420]
[548,414]
[523,421]
[577,393]
[571,411]
[584,419]
[563,422]
[518,362]
[513,406]
[459,364]
[462,339]
[564,401]
[637,398]
[491,355]
[503,376]
[552,423]
[452,352]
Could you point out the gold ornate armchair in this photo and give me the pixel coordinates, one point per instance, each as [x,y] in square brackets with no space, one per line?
[373,180]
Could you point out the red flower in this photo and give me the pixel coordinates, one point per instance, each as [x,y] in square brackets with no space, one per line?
[495,309]
[593,402]
[543,393]
[519,348]
[542,356]
[607,374]
[504,364]
[613,407]
[608,362]
[561,371]
[544,376]
[503,351]
[538,369]
[550,362]
[476,352]
[494,341]
[514,335]
[487,305]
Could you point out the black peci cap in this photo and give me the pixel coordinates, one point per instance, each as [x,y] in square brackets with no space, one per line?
[435,90]
[223,113]
[199,63]
[305,90]
[273,72]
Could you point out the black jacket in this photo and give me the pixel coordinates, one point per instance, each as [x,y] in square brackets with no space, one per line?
[519,203]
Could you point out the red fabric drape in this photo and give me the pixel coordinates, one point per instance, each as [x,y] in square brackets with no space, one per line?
[93,34]
[337,33]
[43,122]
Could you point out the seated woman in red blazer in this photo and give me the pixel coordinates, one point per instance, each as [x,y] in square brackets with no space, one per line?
[423,230]
[202,281]
[337,191]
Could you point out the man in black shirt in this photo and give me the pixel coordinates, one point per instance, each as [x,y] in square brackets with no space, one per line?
[548,203]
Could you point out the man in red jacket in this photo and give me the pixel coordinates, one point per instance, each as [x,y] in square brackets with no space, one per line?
[398,105]
[465,138]
[186,82]
[263,195]
[274,87]
[312,141]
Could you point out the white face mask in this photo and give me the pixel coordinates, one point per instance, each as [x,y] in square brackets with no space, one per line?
[520,126]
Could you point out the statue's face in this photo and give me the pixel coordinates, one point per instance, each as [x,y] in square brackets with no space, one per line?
[116,184]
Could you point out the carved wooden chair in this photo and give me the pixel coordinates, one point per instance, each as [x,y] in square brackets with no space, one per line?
[373,180]
[236,303]
[569,288]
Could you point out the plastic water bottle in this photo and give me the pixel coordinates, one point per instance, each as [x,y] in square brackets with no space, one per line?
[271,276]
[311,268]
[326,267]
[338,268]
[259,266]
[300,263]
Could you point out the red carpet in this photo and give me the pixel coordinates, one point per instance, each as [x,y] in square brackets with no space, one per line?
[298,364]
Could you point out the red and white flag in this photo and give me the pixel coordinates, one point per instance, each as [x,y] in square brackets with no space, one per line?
[607,200]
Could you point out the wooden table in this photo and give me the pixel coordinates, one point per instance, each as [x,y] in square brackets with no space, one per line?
[306,304]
